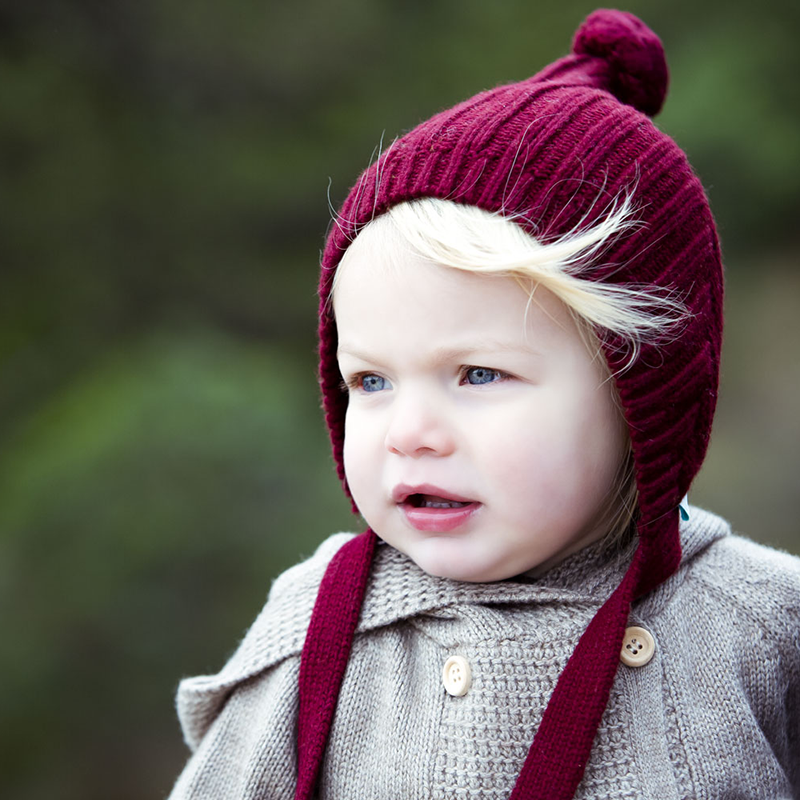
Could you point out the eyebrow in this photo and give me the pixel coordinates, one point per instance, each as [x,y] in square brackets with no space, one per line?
[444,354]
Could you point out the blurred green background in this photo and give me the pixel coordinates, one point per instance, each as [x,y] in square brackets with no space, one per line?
[164,168]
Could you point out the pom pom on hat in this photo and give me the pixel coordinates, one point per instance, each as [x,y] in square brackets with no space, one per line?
[634,54]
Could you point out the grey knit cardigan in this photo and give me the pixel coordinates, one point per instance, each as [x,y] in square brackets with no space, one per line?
[714,714]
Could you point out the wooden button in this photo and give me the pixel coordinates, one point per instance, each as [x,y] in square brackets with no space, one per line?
[638,647]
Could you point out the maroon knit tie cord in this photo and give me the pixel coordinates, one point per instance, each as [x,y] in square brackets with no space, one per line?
[325,653]
[541,151]
[576,706]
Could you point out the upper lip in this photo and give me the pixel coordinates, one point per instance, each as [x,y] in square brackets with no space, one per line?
[403,491]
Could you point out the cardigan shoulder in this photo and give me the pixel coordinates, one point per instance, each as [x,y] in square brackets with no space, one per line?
[758,585]
[278,633]
[740,592]
[757,592]
[727,626]
[759,579]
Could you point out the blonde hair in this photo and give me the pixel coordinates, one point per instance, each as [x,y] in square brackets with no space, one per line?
[473,240]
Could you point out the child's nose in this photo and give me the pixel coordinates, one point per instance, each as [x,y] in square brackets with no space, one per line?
[418,428]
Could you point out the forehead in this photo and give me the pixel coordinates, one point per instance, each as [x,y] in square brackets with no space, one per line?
[379,245]
[384,290]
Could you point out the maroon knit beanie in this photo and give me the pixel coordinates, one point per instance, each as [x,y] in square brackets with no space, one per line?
[541,151]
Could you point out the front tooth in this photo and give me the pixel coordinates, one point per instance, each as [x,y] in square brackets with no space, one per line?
[434,504]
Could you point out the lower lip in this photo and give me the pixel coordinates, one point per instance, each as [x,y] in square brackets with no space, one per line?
[438,520]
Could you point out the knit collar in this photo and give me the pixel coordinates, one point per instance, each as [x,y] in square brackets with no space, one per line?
[399,589]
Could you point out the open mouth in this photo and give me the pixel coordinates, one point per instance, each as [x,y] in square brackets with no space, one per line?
[428,508]
[433,501]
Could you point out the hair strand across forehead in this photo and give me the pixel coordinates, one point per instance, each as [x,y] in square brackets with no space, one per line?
[488,243]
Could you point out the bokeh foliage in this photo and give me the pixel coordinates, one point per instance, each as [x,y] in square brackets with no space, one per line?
[164,182]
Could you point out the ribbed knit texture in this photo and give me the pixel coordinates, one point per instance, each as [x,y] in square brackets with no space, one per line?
[542,151]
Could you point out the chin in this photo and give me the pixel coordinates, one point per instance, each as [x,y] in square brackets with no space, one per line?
[451,569]
[468,576]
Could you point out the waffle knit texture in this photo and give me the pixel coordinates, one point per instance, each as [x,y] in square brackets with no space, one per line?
[715,714]
[542,151]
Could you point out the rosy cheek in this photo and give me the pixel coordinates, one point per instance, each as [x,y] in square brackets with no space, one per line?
[543,449]
[353,453]
[531,456]
[363,443]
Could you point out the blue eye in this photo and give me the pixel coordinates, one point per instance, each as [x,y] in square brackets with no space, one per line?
[373,383]
[477,376]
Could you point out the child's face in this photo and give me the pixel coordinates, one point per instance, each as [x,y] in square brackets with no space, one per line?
[481,437]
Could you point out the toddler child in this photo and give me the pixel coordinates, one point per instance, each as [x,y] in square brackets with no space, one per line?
[520,328]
